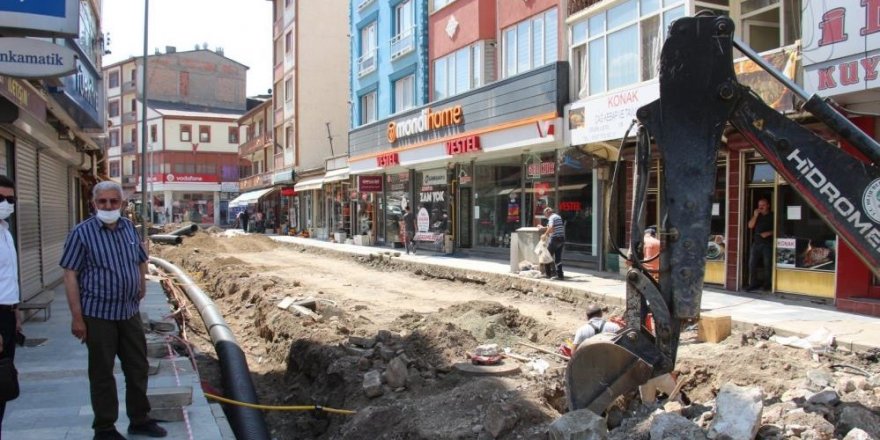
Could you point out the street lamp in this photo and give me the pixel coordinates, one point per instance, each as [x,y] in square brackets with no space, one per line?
[144,124]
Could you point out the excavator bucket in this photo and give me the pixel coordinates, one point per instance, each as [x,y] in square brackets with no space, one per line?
[601,370]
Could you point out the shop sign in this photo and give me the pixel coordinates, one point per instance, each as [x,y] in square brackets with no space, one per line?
[776,95]
[434,177]
[607,117]
[23,96]
[387,160]
[840,40]
[423,220]
[538,169]
[229,187]
[463,145]
[31,58]
[786,252]
[81,94]
[284,176]
[426,121]
[542,188]
[569,206]
[41,17]
[191,178]
[370,184]
[288,191]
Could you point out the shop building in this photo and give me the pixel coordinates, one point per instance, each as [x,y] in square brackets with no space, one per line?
[311,114]
[194,100]
[256,157]
[51,133]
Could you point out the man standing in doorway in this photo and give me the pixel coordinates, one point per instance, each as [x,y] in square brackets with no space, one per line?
[409,230]
[761,252]
[556,234]
[10,317]
[105,269]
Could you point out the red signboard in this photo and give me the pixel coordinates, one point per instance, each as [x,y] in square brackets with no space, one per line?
[463,145]
[369,183]
[569,206]
[188,178]
[288,192]
[541,169]
[388,159]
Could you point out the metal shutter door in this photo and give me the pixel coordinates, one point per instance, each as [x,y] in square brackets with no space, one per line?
[54,215]
[28,221]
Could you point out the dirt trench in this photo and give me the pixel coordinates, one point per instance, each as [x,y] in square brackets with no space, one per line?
[381,314]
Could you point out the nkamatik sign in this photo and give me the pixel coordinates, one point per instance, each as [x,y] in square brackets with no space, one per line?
[30,58]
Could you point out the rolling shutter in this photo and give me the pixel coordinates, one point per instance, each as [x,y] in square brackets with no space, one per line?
[28,220]
[54,197]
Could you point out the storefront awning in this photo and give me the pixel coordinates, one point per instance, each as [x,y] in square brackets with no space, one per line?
[309,184]
[249,197]
[336,175]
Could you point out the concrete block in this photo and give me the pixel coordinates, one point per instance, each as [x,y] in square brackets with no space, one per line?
[169,397]
[168,414]
[153,366]
[713,327]
[181,365]
[157,347]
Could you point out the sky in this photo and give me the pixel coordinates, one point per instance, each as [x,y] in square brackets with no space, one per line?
[243,28]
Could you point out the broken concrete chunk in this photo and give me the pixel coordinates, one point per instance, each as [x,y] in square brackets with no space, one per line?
[499,419]
[164,326]
[362,341]
[582,424]
[857,416]
[285,303]
[738,412]
[824,397]
[857,434]
[395,374]
[670,425]
[817,380]
[373,384]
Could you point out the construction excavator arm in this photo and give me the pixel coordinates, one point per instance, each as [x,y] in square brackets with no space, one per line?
[699,97]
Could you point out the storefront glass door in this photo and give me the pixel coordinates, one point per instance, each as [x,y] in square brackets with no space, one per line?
[575,194]
[498,201]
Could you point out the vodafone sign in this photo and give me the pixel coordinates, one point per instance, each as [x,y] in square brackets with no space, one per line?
[189,178]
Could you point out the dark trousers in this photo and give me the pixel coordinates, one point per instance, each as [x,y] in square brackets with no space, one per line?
[106,340]
[555,247]
[7,330]
[761,254]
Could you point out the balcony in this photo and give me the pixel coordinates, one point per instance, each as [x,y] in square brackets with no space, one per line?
[129,86]
[403,43]
[367,63]
[254,182]
[255,144]
[129,148]
[129,117]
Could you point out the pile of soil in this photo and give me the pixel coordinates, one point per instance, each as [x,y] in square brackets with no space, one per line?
[411,324]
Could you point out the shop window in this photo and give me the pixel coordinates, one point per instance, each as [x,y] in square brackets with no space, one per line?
[204,133]
[113,79]
[397,197]
[530,44]
[185,133]
[540,186]
[498,201]
[761,173]
[575,198]
[803,240]
[233,135]
[431,209]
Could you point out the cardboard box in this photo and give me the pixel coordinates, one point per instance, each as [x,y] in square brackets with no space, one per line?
[714,327]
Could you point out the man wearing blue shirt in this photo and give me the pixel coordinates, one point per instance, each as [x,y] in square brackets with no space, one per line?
[105,267]
[555,233]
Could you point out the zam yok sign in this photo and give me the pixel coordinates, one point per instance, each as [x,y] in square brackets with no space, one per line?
[33,58]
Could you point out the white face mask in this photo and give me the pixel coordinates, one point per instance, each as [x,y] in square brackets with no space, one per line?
[6,209]
[108,217]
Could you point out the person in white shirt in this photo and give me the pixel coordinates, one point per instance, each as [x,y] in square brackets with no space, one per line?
[595,325]
[10,317]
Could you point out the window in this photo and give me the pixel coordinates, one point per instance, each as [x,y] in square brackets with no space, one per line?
[154,133]
[458,72]
[133,105]
[133,135]
[620,46]
[114,168]
[233,135]
[114,138]
[404,38]
[439,4]
[368,108]
[113,81]
[204,133]
[404,93]
[288,137]
[185,133]
[288,89]
[768,24]
[288,42]
[367,60]
[133,76]
[530,44]
[113,108]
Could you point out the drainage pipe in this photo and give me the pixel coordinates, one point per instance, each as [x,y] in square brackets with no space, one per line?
[186,230]
[246,423]
[166,239]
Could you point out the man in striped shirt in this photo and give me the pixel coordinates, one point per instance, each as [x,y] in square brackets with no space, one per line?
[104,274]
[556,233]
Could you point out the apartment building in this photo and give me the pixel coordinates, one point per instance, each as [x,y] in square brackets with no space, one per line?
[309,124]
[195,99]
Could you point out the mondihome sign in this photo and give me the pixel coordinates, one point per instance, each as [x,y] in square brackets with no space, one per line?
[427,120]
[30,58]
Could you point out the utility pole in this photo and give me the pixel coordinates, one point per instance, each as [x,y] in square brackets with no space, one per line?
[144,125]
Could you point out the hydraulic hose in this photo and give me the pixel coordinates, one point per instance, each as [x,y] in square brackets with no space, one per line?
[186,230]
[247,423]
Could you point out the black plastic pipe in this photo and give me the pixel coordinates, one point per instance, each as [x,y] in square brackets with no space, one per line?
[246,423]
[186,230]
[166,239]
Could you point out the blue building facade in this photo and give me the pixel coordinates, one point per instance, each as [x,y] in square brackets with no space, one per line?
[389,58]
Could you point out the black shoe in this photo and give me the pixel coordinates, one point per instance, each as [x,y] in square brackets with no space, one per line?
[559,277]
[149,428]
[110,434]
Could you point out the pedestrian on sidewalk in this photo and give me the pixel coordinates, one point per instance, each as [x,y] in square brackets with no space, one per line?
[409,233]
[555,233]
[10,317]
[105,268]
